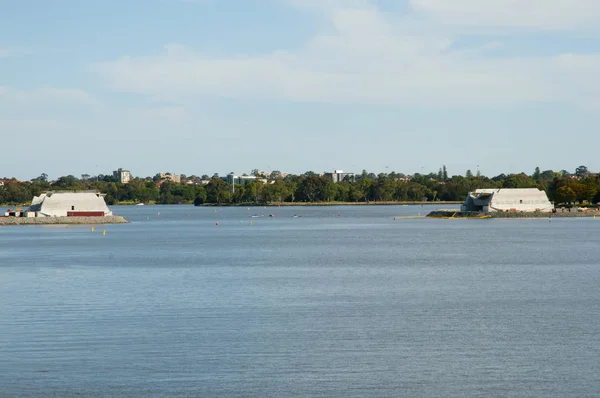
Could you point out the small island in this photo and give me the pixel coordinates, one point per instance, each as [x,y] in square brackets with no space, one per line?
[64,207]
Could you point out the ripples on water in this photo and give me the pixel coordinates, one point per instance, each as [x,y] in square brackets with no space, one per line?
[321,305]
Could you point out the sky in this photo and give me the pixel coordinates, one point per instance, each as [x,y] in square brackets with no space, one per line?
[218,86]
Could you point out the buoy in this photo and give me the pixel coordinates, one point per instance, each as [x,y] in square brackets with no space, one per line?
[104,233]
[419,214]
[217,223]
[394,218]
[159,213]
[250,222]
[338,215]
[67,226]
[92,229]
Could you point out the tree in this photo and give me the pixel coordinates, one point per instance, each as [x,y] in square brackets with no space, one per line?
[581,171]
[275,174]
[253,190]
[42,178]
[68,182]
[275,192]
[564,194]
[547,175]
[200,196]
[518,181]
[583,192]
[384,189]
[537,174]
[469,174]
[444,174]
[311,189]
[217,191]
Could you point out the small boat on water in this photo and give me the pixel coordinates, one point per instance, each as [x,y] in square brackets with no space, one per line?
[139,204]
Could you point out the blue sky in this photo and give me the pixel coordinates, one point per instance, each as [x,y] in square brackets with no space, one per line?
[213,86]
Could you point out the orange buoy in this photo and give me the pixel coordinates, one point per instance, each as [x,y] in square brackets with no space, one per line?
[216,223]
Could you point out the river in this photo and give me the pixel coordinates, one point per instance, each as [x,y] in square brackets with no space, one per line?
[336,301]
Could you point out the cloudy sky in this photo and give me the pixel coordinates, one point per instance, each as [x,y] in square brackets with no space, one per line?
[213,86]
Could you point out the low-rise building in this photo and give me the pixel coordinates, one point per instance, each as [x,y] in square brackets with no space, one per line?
[170,177]
[234,179]
[124,176]
[508,199]
[338,176]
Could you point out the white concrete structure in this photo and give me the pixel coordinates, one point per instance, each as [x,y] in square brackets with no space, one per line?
[508,199]
[59,204]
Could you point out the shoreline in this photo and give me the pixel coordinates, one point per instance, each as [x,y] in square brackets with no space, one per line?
[325,204]
[9,221]
[449,214]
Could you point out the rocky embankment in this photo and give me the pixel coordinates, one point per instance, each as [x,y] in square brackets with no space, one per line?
[62,220]
[474,214]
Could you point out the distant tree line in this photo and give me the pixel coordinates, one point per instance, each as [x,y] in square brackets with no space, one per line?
[561,187]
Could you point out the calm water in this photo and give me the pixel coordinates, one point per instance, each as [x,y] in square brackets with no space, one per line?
[320,305]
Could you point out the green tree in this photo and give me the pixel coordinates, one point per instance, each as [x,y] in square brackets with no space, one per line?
[200,195]
[537,174]
[565,194]
[217,191]
[581,171]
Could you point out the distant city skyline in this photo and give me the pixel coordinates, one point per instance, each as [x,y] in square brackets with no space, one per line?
[133,174]
[207,86]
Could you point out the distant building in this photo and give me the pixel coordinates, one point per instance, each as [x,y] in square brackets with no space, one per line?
[234,180]
[69,204]
[170,177]
[338,176]
[509,199]
[124,176]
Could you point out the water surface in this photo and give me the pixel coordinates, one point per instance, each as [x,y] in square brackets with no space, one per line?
[340,301]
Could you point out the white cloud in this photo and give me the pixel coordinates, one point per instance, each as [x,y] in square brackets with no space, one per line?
[43,94]
[540,14]
[367,58]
